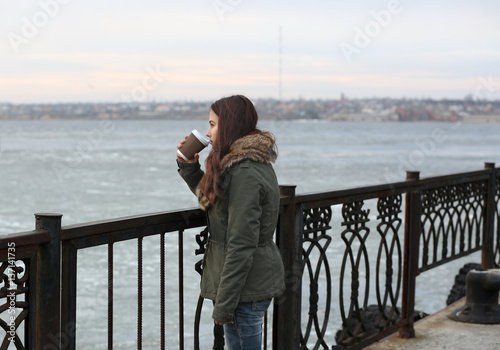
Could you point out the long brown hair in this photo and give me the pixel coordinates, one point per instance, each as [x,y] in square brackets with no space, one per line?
[237,118]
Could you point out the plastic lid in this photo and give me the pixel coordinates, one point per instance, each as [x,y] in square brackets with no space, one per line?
[200,137]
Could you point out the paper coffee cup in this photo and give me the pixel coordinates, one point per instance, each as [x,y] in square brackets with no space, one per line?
[194,144]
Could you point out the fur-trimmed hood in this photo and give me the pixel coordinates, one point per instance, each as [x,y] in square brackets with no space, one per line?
[259,147]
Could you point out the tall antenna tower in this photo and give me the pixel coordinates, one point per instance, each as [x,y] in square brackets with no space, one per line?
[280,74]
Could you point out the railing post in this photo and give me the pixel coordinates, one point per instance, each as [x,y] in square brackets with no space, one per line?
[286,323]
[413,207]
[48,284]
[68,295]
[487,256]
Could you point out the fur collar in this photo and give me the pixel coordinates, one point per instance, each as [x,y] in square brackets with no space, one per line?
[259,147]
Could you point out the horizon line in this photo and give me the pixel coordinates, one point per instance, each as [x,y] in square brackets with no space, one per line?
[469,99]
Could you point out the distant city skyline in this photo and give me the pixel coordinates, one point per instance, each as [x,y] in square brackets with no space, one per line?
[56,51]
[270,109]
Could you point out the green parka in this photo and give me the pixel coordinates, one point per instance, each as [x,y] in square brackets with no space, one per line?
[241,262]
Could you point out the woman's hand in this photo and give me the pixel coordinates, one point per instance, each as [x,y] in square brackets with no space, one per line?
[220,324]
[180,159]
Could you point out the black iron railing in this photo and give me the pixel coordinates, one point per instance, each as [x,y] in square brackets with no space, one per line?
[345,253]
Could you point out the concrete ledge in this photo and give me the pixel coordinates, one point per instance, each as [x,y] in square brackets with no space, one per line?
[437,331]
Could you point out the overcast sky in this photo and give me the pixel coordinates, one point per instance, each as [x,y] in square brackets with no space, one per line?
[111,50]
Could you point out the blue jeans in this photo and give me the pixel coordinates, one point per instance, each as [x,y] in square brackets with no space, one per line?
[245,333]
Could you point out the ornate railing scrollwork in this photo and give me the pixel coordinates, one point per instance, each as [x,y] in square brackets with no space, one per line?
[452,219]
[356,324]
[389,251]
[15,277]
[355,259]
[315,243]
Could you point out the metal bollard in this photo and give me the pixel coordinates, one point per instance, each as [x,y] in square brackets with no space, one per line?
[481,305]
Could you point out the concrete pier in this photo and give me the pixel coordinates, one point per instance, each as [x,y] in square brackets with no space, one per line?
[437,331]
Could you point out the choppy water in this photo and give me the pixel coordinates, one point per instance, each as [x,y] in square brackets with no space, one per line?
[91,170]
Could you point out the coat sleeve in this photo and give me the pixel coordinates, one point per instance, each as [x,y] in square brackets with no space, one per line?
[242,237]
[191,173]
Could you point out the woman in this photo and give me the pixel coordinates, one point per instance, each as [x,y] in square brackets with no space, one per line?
[242,267]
